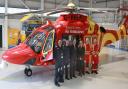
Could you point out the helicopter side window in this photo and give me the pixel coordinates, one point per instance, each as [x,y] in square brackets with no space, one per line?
[49,43]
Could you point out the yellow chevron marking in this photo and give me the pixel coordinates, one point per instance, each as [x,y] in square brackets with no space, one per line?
[91,25]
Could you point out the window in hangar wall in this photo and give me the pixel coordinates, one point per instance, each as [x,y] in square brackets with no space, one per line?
[0,36]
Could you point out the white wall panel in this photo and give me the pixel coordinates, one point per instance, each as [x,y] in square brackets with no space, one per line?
[1,21]
[15,23]
[112,4]
[104,17]
[17,3]
[82,4]
[12,23]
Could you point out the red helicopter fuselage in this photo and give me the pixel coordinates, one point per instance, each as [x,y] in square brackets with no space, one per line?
[48,34]
[24,54]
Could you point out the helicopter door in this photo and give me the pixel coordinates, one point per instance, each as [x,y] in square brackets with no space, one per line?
[48,47]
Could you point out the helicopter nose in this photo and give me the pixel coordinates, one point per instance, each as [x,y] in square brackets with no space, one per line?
[3,64]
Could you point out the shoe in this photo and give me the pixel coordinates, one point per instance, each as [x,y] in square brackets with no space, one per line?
[87,72]
[57,84]
[74,76]
[67,78]
[83,73]
[92,72]
[80,74]
[70,77]
[96,72]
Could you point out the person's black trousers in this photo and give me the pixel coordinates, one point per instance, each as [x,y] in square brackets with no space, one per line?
[81,67]
[61,74]
[66,71]
[57,76]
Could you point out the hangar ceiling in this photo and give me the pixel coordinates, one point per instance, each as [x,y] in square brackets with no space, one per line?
[48,4]
[52,4]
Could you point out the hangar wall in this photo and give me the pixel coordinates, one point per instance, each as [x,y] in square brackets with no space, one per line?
[112,4]
[13,23]
[52,4]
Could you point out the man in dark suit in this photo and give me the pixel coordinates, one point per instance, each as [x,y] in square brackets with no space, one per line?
[58,56]
[66,60]
[73,58]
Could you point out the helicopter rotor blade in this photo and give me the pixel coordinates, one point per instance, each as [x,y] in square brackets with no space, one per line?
[23,13]
[123,9]
[98,9]
[50,12]
[54,12]
[36,11]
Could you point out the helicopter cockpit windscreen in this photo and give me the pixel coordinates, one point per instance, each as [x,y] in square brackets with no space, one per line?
[36,40]
[48,47]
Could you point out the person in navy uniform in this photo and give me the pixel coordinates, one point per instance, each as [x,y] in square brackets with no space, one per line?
[81,64]
[58,56]
[73,58]
[66,52]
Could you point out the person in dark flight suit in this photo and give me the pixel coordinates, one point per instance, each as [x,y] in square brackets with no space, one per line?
[73,58]
[81,64]
[66,52]
[58,56]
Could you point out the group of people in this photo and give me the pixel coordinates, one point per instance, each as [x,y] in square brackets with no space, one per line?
[72,60]
[69,58]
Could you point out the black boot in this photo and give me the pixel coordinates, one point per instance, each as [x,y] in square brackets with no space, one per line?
[67,78]
[96,72]
[80,74]
[57,84]
[74,76]
[83,73]
[92,72]
[61,80]
[87,72]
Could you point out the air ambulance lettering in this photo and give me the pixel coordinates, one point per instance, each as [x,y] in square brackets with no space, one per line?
[73,17]
[75,31]
[66,31]
[73,27]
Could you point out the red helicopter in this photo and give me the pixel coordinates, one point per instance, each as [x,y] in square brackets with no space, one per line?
[37,49]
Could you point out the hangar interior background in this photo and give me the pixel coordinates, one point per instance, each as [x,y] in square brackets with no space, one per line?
[109,20]
[113,73]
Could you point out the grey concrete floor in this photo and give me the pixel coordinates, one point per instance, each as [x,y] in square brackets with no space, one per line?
[113,74]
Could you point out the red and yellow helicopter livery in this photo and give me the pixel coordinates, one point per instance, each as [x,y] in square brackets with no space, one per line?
[73,24]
